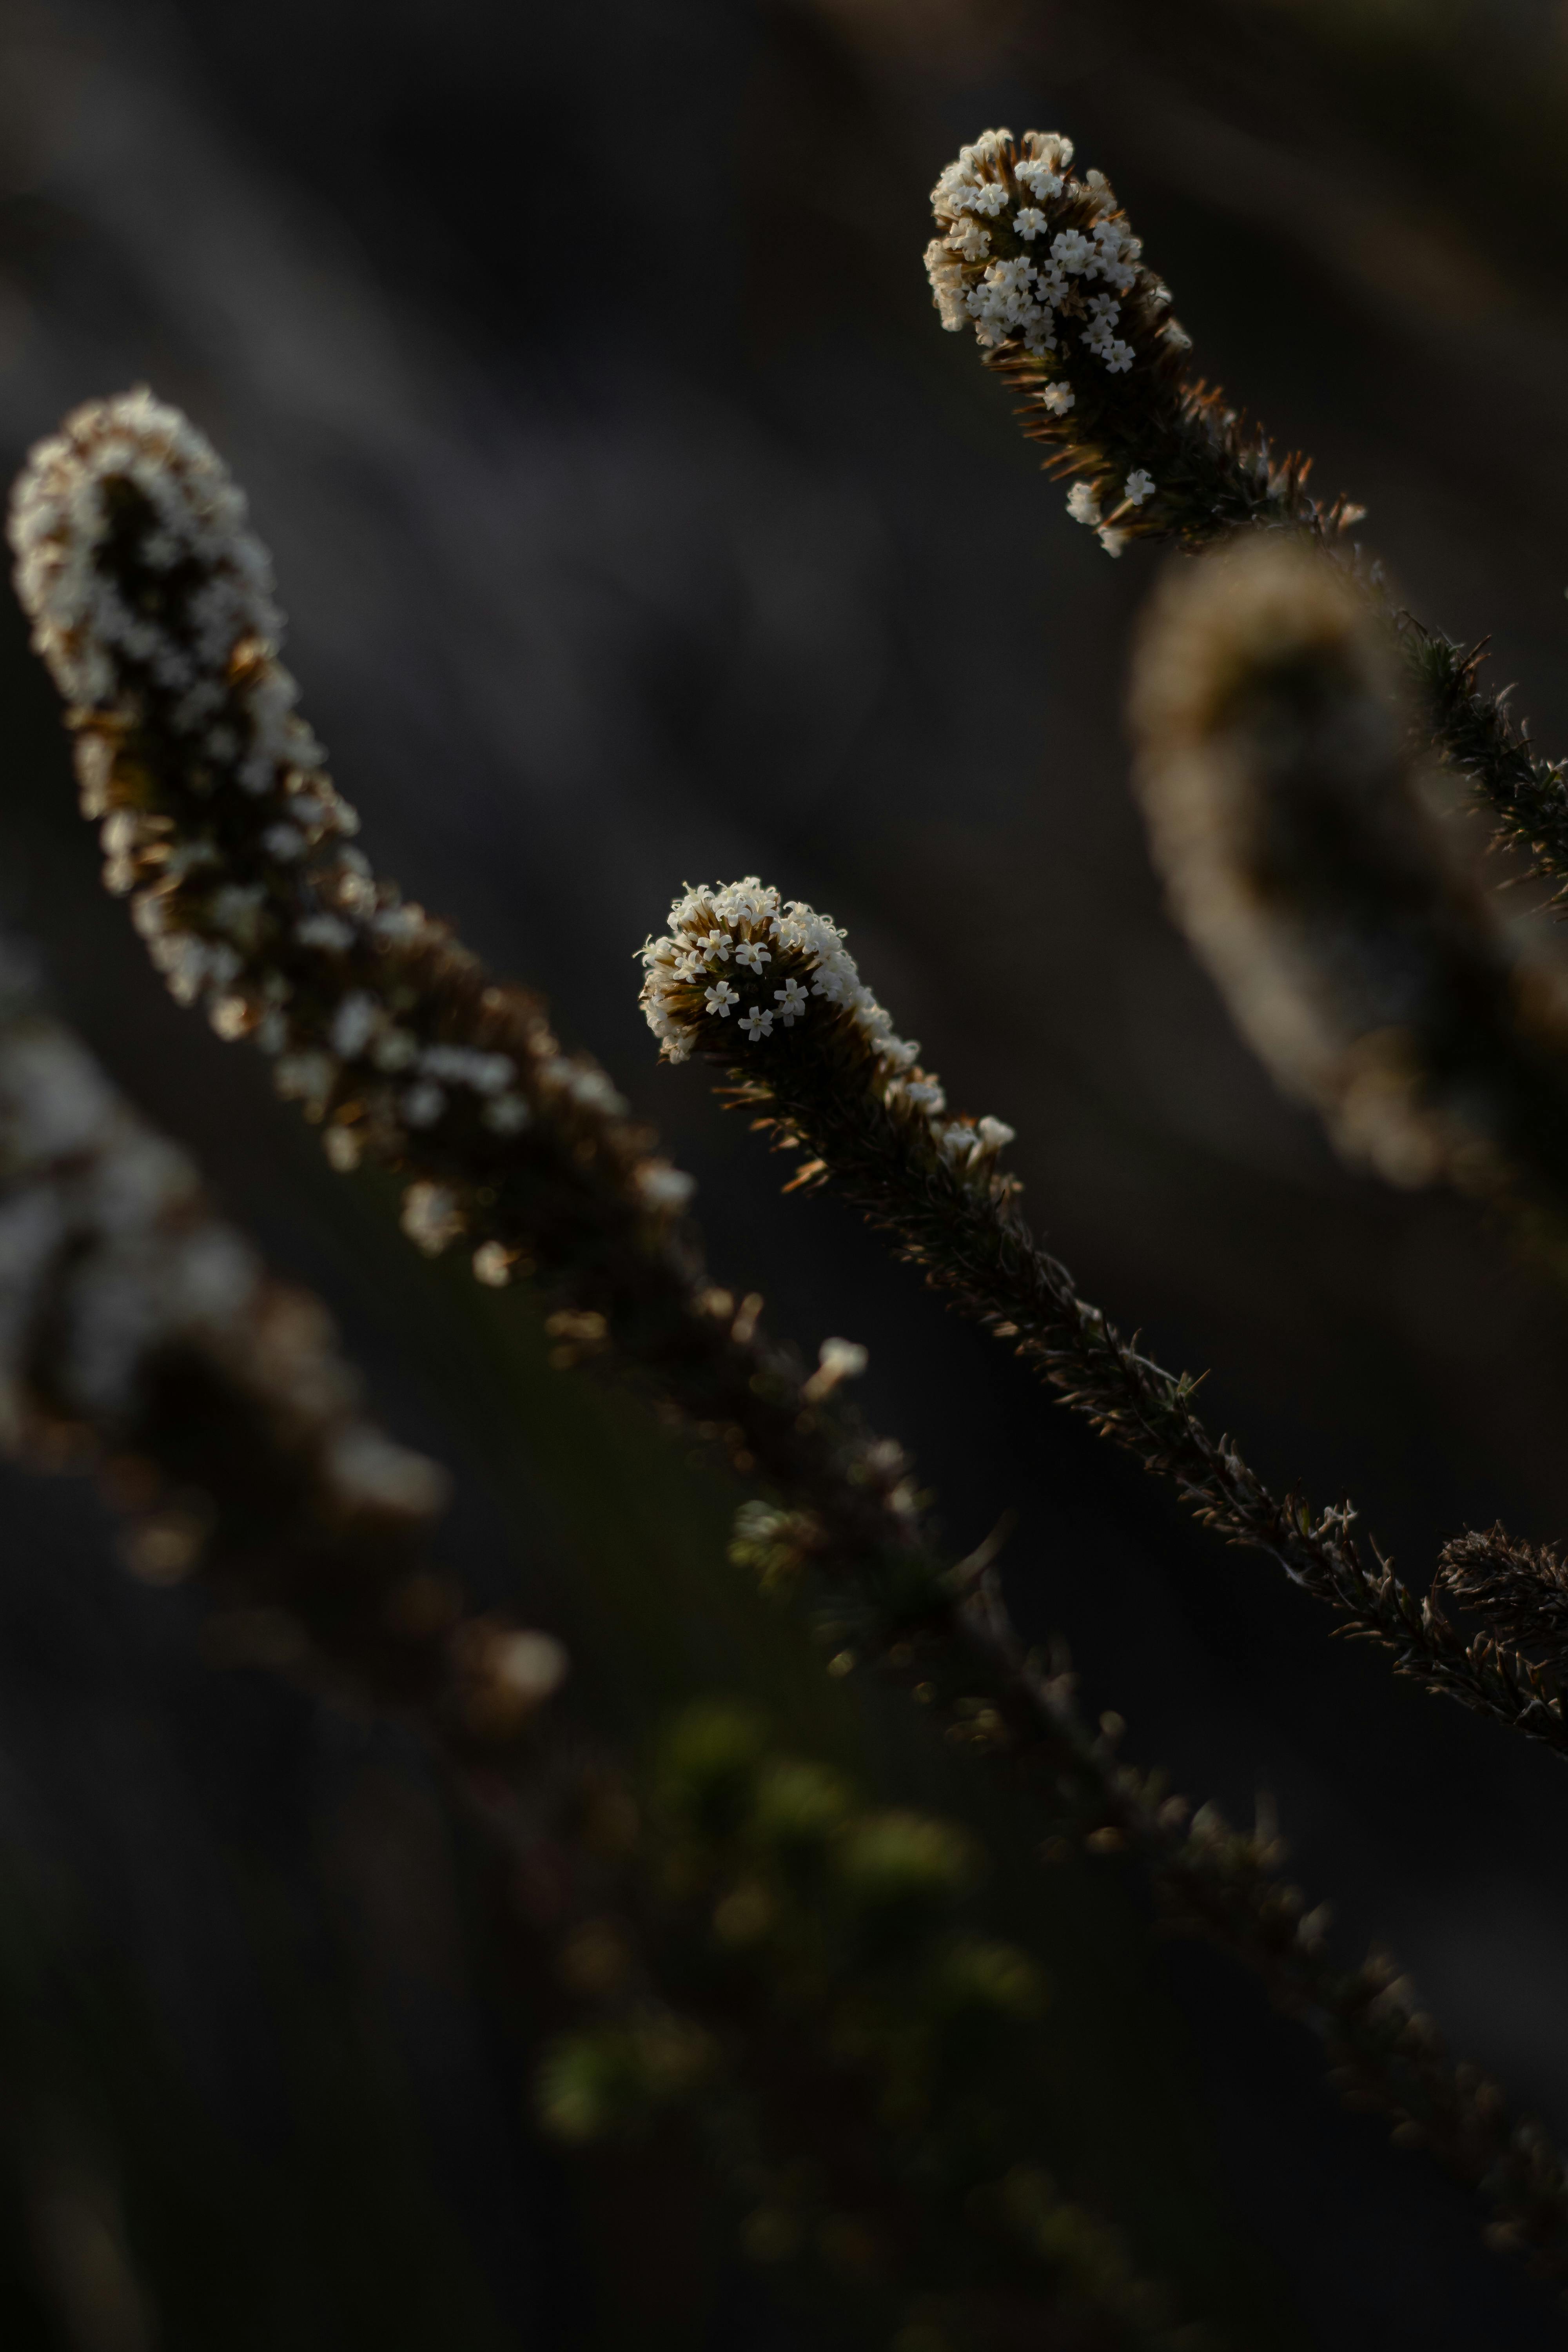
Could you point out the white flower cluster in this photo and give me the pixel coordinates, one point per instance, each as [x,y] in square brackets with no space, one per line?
[744,940]
[64,518]
[992,266]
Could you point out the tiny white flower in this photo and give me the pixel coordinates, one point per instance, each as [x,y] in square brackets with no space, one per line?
[305,1078]
[230,1016]
[1140,487]
[718,943]
[401,925]
[838,1359]
[1029,221]
[970,240]
[492,1266]
[355,1024]
[1038,178]
[1072,251]
[422,1105]
[664,1187]
[990,198]
[757,1024]
[1083,503]
[720,997]
[1058,398]
[395,1049]
[431,1217]
[506,1115]
[323,931]
[750,955]
[792,1001]
[1010,278]
[596,1090]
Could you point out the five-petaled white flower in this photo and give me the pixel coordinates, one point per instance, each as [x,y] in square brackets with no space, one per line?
[1039,180]
[717,943]
[720,998]
[757,1024]
[1140,486]
[749,952]
[792,1001]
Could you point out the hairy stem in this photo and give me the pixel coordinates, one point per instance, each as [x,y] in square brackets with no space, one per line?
[839,1084]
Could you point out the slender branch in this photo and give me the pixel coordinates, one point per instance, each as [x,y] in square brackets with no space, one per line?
[1385,2055]
[1044,267]
[837,1083]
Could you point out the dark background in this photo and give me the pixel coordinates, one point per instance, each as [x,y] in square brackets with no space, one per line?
[637,525]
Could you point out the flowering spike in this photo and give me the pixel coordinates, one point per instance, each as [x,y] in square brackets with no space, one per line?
[138,1327]
[808,1019]
[152,604]
[1043,266]
[1359,958]
[842,1089]
[1158,457]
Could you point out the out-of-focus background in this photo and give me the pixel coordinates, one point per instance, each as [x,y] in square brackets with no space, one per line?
[639,525]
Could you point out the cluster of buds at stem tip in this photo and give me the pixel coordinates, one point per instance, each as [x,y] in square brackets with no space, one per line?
[152,604]
[1043,268]
[1356,951]
[141,1334]
[769,988]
